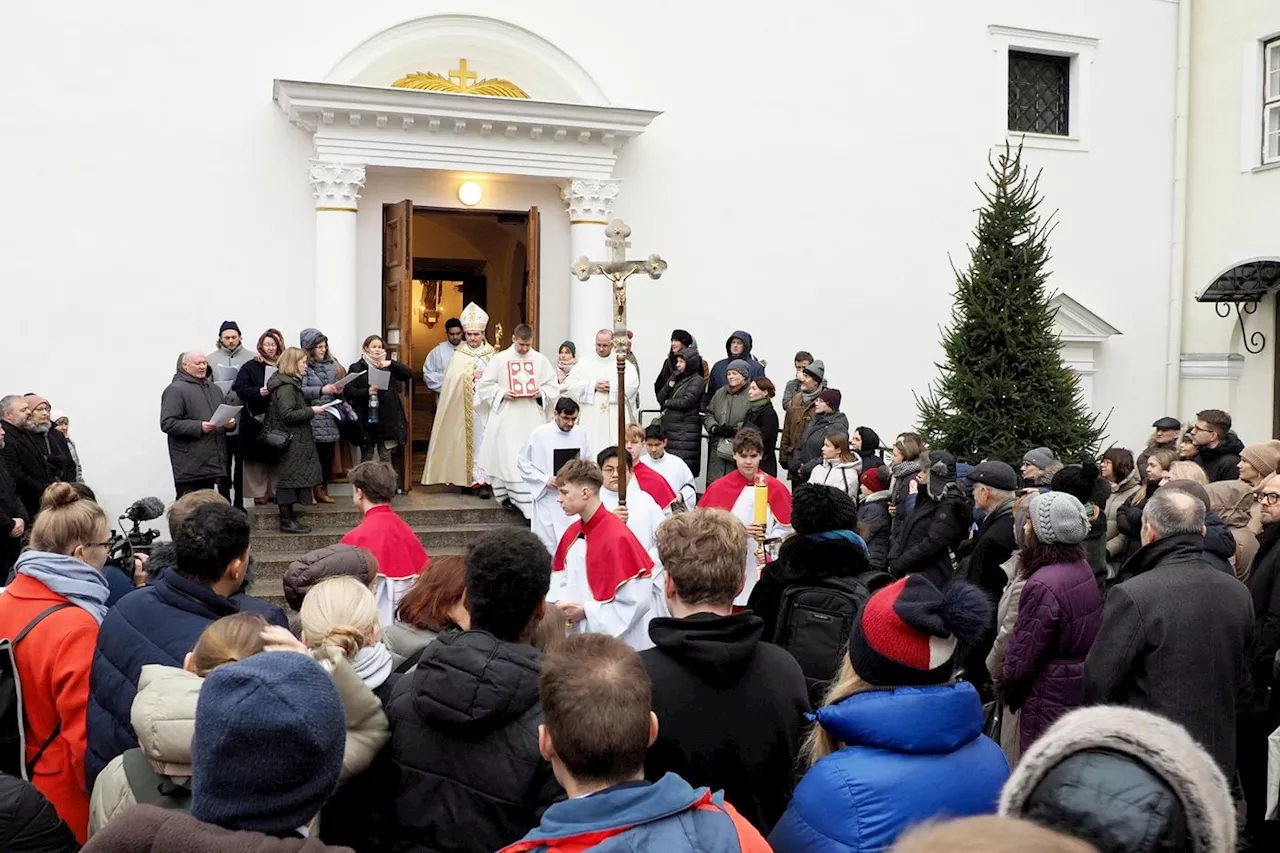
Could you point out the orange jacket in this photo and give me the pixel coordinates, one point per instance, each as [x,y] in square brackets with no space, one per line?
[53,663]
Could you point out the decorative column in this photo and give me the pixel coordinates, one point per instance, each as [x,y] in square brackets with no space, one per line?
[336,187]
[589,202]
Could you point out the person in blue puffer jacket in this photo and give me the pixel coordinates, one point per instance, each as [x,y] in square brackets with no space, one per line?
[898,742]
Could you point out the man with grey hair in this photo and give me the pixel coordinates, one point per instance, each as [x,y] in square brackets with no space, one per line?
[197,449]
[1175,631]
[21,455]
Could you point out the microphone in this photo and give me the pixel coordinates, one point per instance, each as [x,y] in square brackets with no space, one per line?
[145,509]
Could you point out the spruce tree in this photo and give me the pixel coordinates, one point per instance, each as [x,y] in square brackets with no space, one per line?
[1004,389]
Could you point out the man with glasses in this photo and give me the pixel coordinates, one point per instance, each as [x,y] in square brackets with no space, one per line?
[1175,630]
[1217,446]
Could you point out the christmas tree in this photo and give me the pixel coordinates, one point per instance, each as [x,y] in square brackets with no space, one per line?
[1004,388]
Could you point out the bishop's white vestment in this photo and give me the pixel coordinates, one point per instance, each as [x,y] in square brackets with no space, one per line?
[599,415]
[547,449]
[532,379]
[458,432]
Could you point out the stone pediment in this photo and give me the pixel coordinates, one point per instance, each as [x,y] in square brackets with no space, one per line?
[1075,323]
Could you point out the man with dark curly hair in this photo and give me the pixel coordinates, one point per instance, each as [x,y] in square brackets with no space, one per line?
[464,722]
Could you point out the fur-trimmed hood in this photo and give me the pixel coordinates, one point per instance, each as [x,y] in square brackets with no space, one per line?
[1161,746]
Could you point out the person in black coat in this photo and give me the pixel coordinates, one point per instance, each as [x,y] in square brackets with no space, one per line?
[29,823]
[875,525]
[52,443]
[936,526]
[299,468]
[680,339]
[390,432]
[708,664]
[13,516]
[464,724]
[197,449]
[681,402]
[250,387]
[764,417]
[829,419]
[21,455]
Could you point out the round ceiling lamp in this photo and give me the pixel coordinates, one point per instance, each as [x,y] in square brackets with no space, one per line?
[469,193]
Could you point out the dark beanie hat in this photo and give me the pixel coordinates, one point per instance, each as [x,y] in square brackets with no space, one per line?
[1077,481]
[910,633]
[683,337]
[269,737]
[831,397]
[819,509]
[876,479]
[228,324]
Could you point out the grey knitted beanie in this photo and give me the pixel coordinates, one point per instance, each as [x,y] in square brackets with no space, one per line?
[1058,519]
[740,366]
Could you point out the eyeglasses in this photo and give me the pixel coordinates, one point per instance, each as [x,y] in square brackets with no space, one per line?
[1198,428]
[1269,498]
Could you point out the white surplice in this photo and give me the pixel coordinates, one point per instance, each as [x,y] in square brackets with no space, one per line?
[745,510]
[512,421]
[626,616]
[537,463]
[453,455]
[600,409]
[643,515]
[677,474]
[436,364]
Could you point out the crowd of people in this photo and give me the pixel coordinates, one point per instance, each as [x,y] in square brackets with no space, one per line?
[908,653]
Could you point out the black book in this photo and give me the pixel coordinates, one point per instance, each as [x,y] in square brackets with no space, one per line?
[561,456]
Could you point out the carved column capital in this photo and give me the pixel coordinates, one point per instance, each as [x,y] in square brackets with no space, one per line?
[590,199]
[336,186]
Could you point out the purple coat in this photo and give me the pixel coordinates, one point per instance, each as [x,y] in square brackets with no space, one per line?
[1058,618]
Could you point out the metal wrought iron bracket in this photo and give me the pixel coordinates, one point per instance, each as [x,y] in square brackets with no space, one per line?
[1254,342]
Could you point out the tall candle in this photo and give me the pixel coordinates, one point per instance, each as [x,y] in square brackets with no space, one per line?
[762,502]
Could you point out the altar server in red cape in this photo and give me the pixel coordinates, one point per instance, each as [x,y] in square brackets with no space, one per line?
[643,475]
[401,557]
[767,517]
[601,576]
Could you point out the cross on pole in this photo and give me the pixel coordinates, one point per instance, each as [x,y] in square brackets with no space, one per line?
[617,270]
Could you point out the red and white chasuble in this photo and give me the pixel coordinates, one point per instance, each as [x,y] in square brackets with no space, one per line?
[601,565]
[764,501]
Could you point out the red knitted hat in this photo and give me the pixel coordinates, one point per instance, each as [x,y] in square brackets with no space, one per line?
[871,479]
[910,633]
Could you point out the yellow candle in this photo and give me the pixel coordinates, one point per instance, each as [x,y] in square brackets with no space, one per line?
[762,502]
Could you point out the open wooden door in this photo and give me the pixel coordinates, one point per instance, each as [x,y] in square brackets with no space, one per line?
[533,237]
[397,309]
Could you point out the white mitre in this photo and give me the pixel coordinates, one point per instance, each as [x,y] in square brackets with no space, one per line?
[473,318]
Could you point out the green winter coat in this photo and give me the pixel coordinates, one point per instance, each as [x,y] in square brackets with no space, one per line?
[300,465]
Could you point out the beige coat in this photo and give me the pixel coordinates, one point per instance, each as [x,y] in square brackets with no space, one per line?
[1236,503]
[1006,618]
[1120,493]
[164,718]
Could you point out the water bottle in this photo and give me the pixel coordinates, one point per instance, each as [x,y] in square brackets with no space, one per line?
[373,405]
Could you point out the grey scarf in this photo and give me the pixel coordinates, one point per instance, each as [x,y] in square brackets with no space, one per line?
[373,664]
[78,582]
[810,397]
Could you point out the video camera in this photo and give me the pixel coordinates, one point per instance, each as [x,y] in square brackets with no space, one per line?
[136,540]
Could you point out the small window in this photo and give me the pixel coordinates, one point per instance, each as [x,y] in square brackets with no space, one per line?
[1271,102]
[1039,93]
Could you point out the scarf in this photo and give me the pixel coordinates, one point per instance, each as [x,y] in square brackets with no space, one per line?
[899,473]
[810,397]
[78,582]
[563,368]
[846,535]
[373,664]
[368,360]
[761,403]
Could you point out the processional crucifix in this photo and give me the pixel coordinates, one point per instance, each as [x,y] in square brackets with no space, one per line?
[618,269]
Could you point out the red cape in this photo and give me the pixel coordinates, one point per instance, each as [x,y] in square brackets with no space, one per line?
[392,542]
[724,493]
[655,484]
[614,555]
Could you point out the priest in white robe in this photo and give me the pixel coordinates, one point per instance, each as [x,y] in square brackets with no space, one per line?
[592,384]
[458,432]
[438,359]
[548,449]
[760,502]
[602,577]
[519,387]
[672,468]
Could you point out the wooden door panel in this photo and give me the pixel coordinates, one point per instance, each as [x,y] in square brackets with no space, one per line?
[532,258]
[397,316]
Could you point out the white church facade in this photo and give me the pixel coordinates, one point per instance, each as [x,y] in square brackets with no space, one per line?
[809,178]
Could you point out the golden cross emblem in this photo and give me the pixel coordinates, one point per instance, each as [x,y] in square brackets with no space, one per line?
[463,76]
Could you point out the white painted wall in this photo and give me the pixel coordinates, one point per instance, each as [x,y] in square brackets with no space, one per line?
[810,176]
[1231,204]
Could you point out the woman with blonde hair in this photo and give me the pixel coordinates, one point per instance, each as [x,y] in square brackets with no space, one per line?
[52,612]
[1129,514]
[299,468]
[1186,470]
[898,740]
[341,614]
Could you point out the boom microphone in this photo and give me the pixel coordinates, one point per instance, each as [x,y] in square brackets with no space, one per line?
[145,509]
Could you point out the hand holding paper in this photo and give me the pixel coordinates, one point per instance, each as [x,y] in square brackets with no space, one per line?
[224,415]
[348,379]
[380,379]
[267,374]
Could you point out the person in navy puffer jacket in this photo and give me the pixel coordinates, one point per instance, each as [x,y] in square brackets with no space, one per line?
[738,346]
[899,742]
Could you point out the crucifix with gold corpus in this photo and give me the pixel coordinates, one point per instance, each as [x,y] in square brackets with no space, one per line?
[617,270]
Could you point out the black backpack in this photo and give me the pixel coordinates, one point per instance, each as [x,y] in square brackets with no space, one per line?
[13,716]
[814,622]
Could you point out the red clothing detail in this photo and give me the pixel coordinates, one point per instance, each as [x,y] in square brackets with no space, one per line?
[655,484]
[614,555]
[724,493]
[392,542]
[53,663]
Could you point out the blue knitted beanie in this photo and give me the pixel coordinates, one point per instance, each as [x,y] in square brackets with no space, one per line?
[269,736]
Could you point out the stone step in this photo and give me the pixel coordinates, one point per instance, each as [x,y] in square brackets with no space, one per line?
[432,537]
[340,517]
